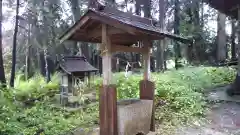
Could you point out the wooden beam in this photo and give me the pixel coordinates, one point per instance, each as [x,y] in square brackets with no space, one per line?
[122,48]
[146,58]
[98,32]
[74,29]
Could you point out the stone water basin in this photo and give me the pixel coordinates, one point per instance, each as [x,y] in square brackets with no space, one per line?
[134,116]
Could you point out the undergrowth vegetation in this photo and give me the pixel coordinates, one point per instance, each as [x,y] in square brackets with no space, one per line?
[179,98]
[34,88]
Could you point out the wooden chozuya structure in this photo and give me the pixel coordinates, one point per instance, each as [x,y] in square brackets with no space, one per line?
[117,31]
[73,70]
[232,9]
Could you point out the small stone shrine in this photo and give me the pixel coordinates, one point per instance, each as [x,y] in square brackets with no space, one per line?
[73,72]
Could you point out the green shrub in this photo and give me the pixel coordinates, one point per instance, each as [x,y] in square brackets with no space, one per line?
[35,87]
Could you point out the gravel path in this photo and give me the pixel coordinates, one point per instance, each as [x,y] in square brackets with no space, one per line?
[223,117]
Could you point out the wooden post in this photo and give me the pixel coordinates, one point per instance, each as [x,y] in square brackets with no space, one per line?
[106,58]
[146,59]
[108,96]
[147,87]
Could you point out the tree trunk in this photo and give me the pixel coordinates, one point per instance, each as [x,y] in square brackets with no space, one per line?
[76,16]
[233,37]
[160,46]
[27,64]
[221,38]
[138,8]
[138,12]
[14,46]
[202,14]
[2,73]
[176,31]
[147,8]
[48,78]
[111,1]
[235,87]
[165,55]
[85,50]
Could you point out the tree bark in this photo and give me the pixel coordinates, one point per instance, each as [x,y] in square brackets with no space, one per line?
[233,37]
[160,47]
[138,12]
[147,8]
[48,78]
[27,64]
[235,87]
[76,16]
[176,31]
[197,47]
[138,7]
[2,73]
[14,46]
[221,38]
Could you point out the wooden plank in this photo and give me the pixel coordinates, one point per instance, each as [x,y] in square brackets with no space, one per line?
[106,58]
[122,48]
[74,29]
[146,58]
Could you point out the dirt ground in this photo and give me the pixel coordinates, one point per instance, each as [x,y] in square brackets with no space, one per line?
[223,117]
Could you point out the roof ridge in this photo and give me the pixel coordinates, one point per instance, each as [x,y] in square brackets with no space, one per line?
[96,6]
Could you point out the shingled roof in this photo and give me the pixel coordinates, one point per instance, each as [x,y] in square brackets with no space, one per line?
[75,64]
[228,7]
[124,28]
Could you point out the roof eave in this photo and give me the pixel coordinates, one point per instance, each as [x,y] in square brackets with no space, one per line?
[76,26]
